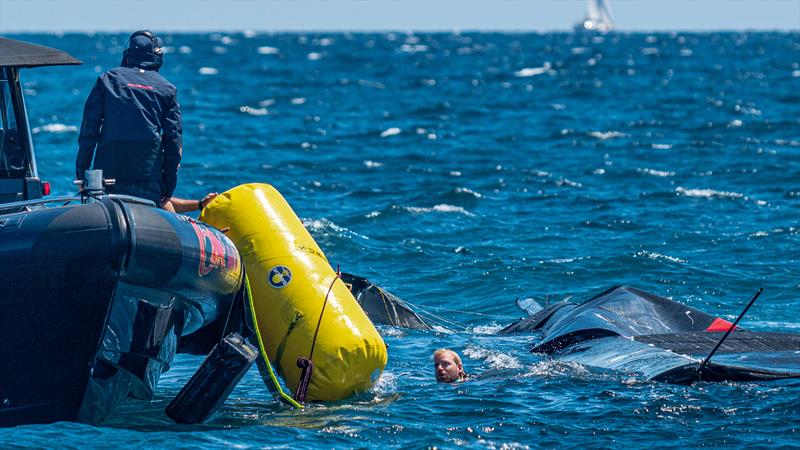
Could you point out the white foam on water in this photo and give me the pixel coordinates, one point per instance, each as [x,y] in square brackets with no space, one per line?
[373,214]
[184,49]
[314,56]
[316,224]
[662,146]
[747,110]
[266,50]
[267,102]
[484,442]
[656,173]
[443,208]
[297,101]
[686,52]
[327,225]
[658,256]
[532,71]
[605,135]
[450,208]
[650,51]
[342,429]
[796,73]
[55,128]
[735,123]
[372,164]
[773,324]
[566,182]
[415,48]
[387,382]
[463,190]
[495,360]
[487,329]
[253,111]
[455,173]
[707,193]
[208,71]
[563,260]
[391,132]
[550,367]
[392,331]
[441,329]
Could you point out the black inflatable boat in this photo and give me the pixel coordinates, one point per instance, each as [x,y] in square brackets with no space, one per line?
[98,292]
[96,300]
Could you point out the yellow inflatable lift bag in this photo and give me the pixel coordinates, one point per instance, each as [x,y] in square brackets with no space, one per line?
[296,295]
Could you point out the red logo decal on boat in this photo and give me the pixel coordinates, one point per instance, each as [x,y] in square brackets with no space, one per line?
[215,253]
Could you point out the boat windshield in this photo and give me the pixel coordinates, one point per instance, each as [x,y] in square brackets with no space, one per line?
[12,155]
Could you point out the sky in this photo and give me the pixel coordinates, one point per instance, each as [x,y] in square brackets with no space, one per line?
[376,15]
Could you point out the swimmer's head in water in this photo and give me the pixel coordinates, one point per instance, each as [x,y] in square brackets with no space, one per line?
[448,367]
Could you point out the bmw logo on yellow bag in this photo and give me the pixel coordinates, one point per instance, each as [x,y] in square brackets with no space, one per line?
[279,277]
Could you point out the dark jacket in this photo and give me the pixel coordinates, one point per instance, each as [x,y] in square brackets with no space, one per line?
[132,128]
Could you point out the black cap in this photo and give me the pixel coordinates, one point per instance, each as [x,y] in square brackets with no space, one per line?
[145,50]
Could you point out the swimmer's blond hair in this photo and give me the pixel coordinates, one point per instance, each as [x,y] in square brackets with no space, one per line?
[447,351]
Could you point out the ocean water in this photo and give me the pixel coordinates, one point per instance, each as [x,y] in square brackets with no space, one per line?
[463,171]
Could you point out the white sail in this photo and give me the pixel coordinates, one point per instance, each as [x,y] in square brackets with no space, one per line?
[598,16]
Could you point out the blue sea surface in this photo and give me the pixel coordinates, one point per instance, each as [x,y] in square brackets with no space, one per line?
[464,171]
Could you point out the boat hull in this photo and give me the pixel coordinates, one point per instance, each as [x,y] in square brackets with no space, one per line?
[97,299]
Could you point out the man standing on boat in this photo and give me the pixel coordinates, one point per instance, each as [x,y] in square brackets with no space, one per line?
[132,124]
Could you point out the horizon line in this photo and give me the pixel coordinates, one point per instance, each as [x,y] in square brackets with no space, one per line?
[408,30]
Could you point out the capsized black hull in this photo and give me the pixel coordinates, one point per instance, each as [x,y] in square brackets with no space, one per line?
[96,299]
[632,331]
[382,306]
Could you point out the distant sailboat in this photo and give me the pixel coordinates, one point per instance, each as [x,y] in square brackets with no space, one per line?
[598,17]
